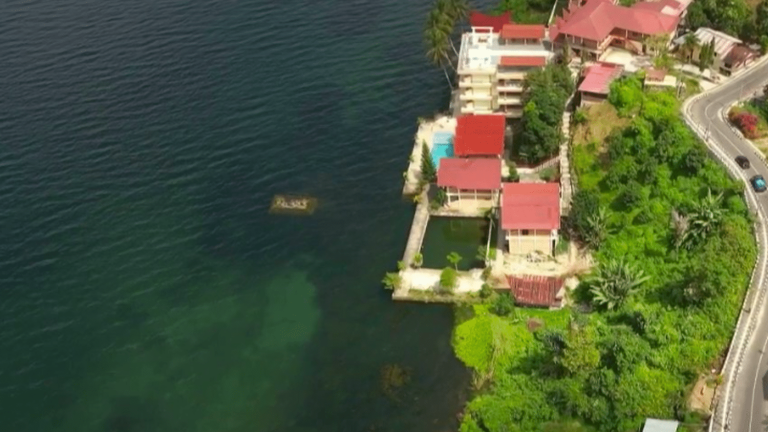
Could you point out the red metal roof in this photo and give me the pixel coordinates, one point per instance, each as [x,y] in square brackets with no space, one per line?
[469,174]
[523,61]
[479,19]
[599,78]
[597,18]
[479,135]
[530,206]
[522,31]
[535,290]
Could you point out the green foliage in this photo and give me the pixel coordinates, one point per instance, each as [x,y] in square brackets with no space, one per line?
[484,252]
[614,282]
[579,117]
[440,197]
[707,56]
[418,260]
[526,11]
[392,281]
[544,103]
[729,16]
[486,291]
[503,305]
[428,169]
[400,266]
[449,277]
[513,176]
[764,42]
[672,310]
[454,259]
[548,174]
[626,95]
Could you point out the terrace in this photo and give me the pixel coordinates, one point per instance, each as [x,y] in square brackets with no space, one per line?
[482,51]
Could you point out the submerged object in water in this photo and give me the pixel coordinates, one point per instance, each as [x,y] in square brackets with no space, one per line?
[293,204]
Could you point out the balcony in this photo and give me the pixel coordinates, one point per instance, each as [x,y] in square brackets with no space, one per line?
[510,100]
[469,83]
[474,95]
[511,74]
[470,108]
[510,86]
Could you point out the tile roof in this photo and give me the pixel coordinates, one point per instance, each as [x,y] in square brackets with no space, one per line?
[479,135]
[522,61]
[479,19]
[470,174]
[530,206]
[535,290]
[522,31]
[599,77]
[597,18]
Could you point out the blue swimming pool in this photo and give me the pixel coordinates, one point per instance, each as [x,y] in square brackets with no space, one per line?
[442,146]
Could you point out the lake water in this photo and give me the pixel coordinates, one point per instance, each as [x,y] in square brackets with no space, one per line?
[144,286]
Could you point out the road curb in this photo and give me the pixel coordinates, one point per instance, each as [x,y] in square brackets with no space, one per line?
[747,320]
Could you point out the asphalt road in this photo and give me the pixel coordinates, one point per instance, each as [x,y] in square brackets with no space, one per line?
[750,395]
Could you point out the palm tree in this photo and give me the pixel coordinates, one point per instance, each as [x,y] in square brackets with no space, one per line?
[614,282]
[690,43]
[437,50]
[454,258]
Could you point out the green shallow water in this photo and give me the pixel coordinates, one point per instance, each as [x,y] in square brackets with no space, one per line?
[144,286]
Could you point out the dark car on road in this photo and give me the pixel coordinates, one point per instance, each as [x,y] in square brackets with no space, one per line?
[758,183]
[742,161]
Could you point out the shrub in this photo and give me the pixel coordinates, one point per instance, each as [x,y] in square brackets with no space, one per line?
[579,117]
[486,291]
[392,281]
[449,278]
[548,174]
[747,123]
[503,305]
[513,176]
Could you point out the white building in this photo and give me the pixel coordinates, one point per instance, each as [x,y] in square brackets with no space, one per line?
[493,62]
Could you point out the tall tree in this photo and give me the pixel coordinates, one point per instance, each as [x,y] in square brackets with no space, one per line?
[707,55]
[428,169]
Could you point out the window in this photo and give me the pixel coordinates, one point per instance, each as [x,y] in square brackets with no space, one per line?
[525,232]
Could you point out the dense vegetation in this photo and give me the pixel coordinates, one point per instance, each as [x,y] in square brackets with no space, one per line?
[547,90]
[747,19]
[673,242]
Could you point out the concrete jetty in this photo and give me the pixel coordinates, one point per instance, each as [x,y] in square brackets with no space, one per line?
[418,228]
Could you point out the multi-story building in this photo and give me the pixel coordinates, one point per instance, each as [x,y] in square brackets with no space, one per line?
[589,27]
[494,58]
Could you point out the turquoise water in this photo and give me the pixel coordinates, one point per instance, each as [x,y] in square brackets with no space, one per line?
[145,287]
[442,146]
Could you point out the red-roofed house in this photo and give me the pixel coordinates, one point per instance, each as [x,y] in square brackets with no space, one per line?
[543,291]
[594,25]
[493,23]
[479,135]
[597,82]
[470,179]
[530,216]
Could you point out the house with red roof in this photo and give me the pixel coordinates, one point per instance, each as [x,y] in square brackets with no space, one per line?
[597,82]
[477,180]
[591,26]
[530,217]
[479,136]
[494,57]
